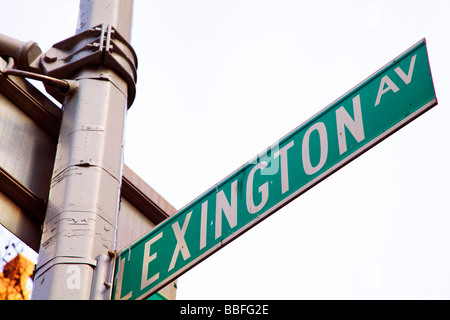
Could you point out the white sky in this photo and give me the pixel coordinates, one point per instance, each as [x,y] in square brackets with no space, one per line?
[219,81]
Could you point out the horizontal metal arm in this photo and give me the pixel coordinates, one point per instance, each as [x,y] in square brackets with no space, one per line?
[24,52]
[63,86]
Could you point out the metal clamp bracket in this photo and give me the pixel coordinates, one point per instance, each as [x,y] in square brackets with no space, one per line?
[100,45]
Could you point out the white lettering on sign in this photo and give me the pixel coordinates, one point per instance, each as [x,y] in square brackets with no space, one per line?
[203,224]
[258,182]
[145,281]
[272,166]
[407,78]
[181,242]
[320,127]
[230,210]
[382,90]
[355,126]
[119,283]
[282,153]
[391,85]
[264,190]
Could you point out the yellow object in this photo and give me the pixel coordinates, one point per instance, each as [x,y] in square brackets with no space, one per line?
[14,278]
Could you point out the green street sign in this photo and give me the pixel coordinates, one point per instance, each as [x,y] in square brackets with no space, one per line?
[383,103]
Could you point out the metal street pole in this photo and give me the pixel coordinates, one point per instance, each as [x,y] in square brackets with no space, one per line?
[80,223]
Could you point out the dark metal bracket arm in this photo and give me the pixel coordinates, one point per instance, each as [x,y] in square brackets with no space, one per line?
[63,86]
[100,45]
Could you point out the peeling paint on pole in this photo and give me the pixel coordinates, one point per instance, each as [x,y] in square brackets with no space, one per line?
[83,203]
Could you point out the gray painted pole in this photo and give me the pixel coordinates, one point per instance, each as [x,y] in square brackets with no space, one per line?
[80,223]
